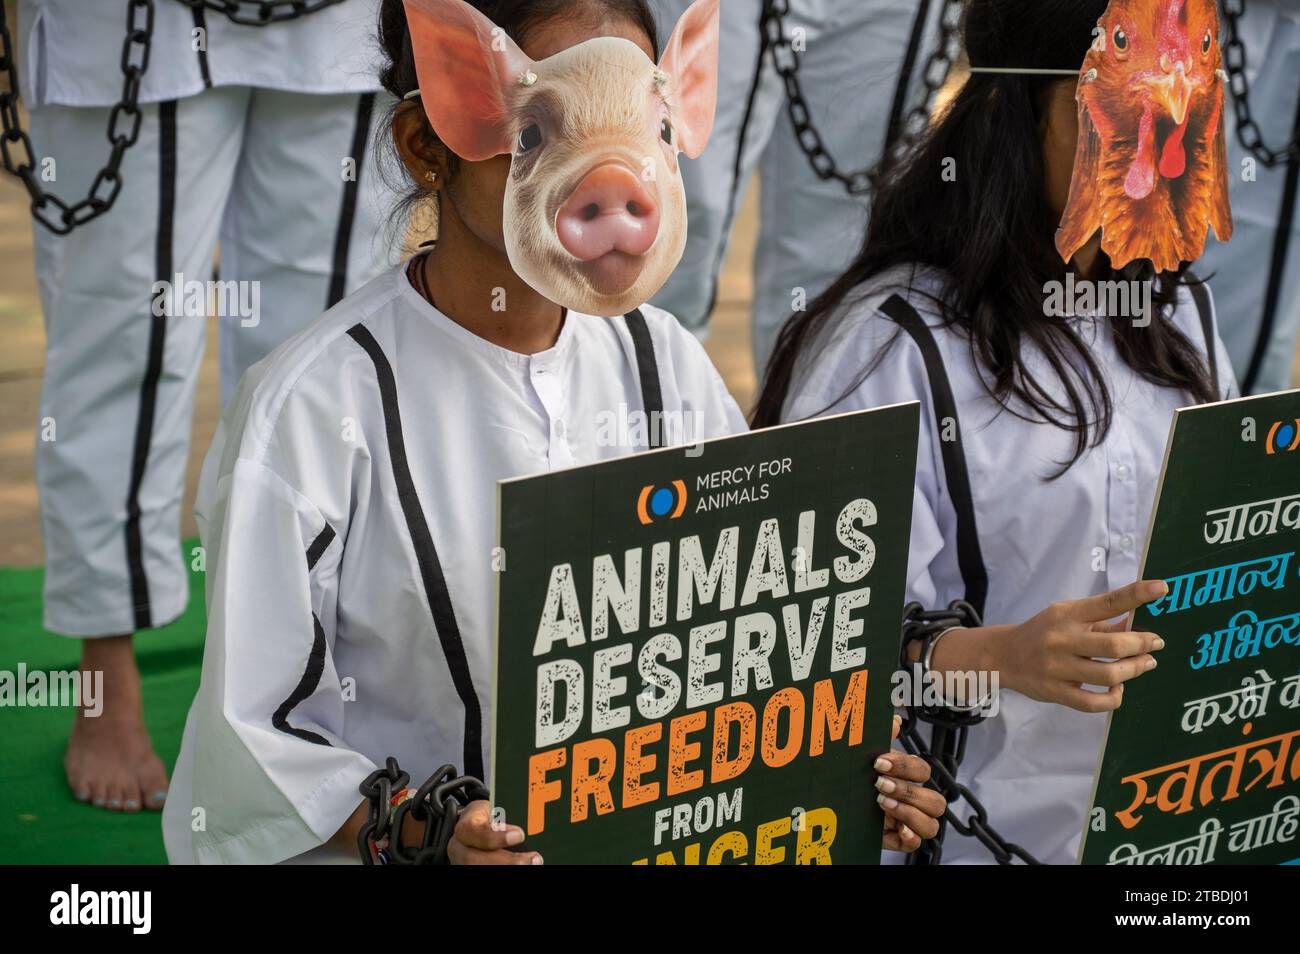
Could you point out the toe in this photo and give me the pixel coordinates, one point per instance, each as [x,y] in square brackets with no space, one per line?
[153,783]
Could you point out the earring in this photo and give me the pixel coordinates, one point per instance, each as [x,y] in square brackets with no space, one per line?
[430,176]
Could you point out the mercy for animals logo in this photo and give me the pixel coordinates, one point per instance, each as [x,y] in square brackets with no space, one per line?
[1283,437]
[77,907]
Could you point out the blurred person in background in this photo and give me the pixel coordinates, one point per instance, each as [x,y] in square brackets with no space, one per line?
[1257,275]
[253,135]
[861,69]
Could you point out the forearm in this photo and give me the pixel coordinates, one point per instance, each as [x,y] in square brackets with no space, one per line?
[346,836]
[980,649]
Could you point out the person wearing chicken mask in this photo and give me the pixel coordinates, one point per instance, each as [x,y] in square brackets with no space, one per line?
[861,66]
[1043,422]
[349,501]
[1257,275]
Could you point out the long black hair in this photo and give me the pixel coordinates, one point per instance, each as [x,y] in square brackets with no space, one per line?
[990,235]
[516,18]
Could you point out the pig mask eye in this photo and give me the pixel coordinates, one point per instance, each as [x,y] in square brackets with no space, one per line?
[530,137]
[1206,43]
[666,131]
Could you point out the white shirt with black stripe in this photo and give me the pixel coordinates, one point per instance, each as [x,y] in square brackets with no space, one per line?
[1042,540]
[322,658]
[69,51]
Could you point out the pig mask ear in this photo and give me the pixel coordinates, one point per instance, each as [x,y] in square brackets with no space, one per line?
[465,65]
[691,62]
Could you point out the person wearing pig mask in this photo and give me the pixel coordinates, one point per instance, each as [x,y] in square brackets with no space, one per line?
[348,502]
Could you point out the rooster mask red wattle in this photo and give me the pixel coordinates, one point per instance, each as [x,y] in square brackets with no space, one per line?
[1151,167]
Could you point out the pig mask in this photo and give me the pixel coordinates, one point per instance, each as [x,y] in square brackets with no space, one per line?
[595,213]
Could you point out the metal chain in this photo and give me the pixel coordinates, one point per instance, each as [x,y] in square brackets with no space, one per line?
[786,61]
[123,127]
[438,804]
[1234,61]
[125,119]
[947,745]
[261,12]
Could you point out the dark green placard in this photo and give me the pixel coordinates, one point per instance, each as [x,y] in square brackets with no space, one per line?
[1225,535]
[854,473]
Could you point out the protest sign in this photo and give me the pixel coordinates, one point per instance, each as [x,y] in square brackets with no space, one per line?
[694,646]
[1202,760]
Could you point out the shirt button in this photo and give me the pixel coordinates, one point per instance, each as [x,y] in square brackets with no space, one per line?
[1126,543]
[559,429]
[1122,472]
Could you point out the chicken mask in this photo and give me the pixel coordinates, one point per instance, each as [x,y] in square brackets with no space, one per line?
[1151,166]
[595,211]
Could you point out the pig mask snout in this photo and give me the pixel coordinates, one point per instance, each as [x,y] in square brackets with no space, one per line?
[594,213]
[611,210]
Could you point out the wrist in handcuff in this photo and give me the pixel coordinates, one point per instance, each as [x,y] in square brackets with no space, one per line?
[925,662]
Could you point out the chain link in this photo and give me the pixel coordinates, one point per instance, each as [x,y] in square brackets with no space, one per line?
[261,12]
[1234,61]
[123,128]
[125,118]
[785,58]
[947,745]
[437,804]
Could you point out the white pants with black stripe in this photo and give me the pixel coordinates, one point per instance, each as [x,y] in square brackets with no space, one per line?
[270,174]
[1256,276]
[855,56]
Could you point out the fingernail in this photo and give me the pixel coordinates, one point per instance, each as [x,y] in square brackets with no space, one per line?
[1150,664]
[887,803]
[885,784]
[98,803]
[115,803]
[131,803]
[514,836]
[1158,588]
[905,831]
[1158,644]
[83,796]
[537,860]
[882,765]
[159,796]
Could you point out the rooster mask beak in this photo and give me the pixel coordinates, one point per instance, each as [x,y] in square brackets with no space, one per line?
[1173,91]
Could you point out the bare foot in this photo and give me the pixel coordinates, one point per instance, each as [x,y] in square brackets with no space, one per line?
[110,761]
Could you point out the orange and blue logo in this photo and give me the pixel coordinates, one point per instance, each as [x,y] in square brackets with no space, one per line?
[1284,436]
[661,502]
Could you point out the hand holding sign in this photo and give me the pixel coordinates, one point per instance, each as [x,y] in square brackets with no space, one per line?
[912,811]
[477,841]
[1052,656]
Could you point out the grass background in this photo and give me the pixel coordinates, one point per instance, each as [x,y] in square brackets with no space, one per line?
[40,821]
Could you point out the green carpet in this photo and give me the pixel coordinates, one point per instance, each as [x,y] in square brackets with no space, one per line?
[40,821]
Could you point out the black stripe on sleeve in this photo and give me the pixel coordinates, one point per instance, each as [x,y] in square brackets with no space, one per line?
[319,546]
[899,105]
[315,660]
[652,398]
[153,365]
[1277,267]
[970,560]
[201,23]
[426,554]
[348,210]
[1205,312]
[306,686]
